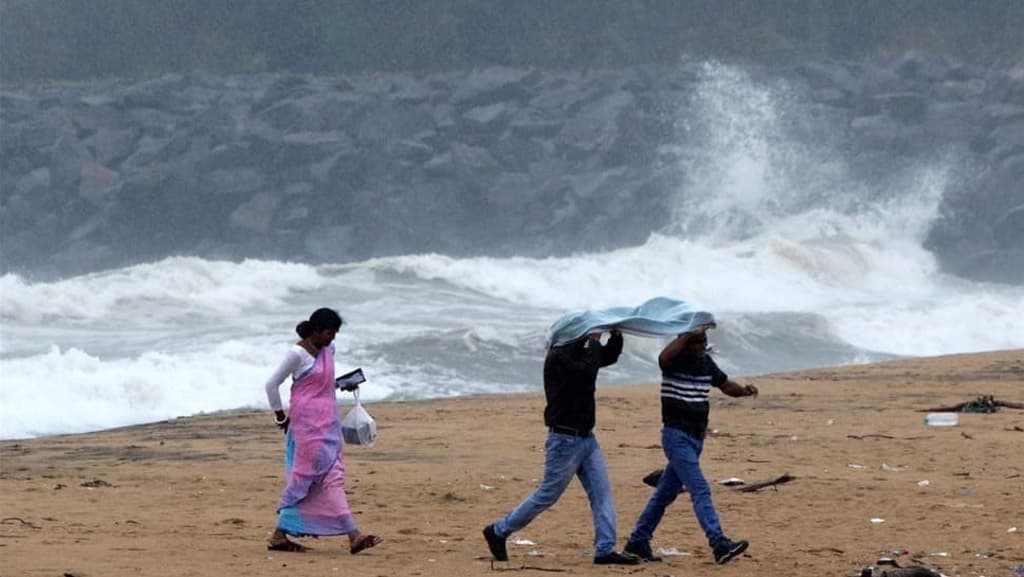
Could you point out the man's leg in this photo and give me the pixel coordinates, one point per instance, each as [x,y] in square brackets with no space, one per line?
[593,473]
[683,451]
[562,459]
[664,495]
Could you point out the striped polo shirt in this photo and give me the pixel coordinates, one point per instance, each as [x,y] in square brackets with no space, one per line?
[685,385]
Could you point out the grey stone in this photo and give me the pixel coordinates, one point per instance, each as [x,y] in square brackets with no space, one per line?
[472,159]
[110,145]
[1009,229]
[15,107]
[153,122]
[496,83]
[14,168]
[67,158]
[907,107]
[256,214]
[443,163]
[89,119]
[31,183]
[46,129]
[298,189]
[158,93]
[411,90]
[233,181]
[148,151]
[829,76]
[286,115]
[301,148]
[595,127]
[1008,137]
[98,183]
[486,115]
[958,122]
[10,142]
[326,243]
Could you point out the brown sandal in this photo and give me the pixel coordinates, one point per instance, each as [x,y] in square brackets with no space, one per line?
[364,542]
[287,546]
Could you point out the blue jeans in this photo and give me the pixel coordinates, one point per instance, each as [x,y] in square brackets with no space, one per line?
[565,457]
[683,452]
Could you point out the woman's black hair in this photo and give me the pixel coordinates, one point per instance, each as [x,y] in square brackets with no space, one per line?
[321,320]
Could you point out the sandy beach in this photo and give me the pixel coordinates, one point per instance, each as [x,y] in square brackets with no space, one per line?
[196,496]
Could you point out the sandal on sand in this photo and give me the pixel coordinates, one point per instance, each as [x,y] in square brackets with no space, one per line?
[287,546]
[364,542]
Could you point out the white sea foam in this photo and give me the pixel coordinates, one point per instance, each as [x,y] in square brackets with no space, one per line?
[175,287]
[436,326]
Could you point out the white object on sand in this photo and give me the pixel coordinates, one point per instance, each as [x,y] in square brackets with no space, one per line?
[942,420]
[672,552]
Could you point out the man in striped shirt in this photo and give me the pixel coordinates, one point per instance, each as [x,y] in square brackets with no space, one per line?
[687,376]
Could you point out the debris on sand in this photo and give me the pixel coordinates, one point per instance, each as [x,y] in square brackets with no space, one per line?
[982,404]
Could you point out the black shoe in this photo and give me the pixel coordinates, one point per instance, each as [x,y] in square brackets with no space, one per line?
[727,549]
[641,549]
[495,544]
[614,558]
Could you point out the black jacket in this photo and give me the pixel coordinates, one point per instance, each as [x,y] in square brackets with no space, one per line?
[570,376]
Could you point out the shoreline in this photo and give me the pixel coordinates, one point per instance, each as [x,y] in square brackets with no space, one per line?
[342,405]
[195,495]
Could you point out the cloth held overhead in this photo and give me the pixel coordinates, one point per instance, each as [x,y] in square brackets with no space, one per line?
[657,317]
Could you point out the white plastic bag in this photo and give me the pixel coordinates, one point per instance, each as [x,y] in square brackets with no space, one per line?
[358,427]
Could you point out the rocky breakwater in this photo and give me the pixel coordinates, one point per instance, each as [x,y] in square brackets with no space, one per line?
[919,106]
[496,161]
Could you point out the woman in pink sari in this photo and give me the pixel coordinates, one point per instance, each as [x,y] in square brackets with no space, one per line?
[313,502]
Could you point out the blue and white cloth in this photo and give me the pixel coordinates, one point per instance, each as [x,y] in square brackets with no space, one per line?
[660,316]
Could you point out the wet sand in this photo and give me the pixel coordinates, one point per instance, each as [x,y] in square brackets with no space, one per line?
[196,496]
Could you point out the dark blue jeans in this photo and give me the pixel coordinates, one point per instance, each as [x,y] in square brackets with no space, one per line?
[567,457]
[683,452]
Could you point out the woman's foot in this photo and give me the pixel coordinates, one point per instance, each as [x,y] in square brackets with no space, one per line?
[284,544]
[362,542]
[279,542]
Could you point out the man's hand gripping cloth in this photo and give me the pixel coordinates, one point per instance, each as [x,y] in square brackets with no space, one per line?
[657,317]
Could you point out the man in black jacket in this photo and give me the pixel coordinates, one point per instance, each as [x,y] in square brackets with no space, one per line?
[570,375]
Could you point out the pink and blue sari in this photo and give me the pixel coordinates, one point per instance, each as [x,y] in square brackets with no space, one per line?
[313,502]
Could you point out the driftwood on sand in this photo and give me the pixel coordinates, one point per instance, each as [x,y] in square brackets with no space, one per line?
[654,476]
[753,487]
[890,568]
[982,404]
